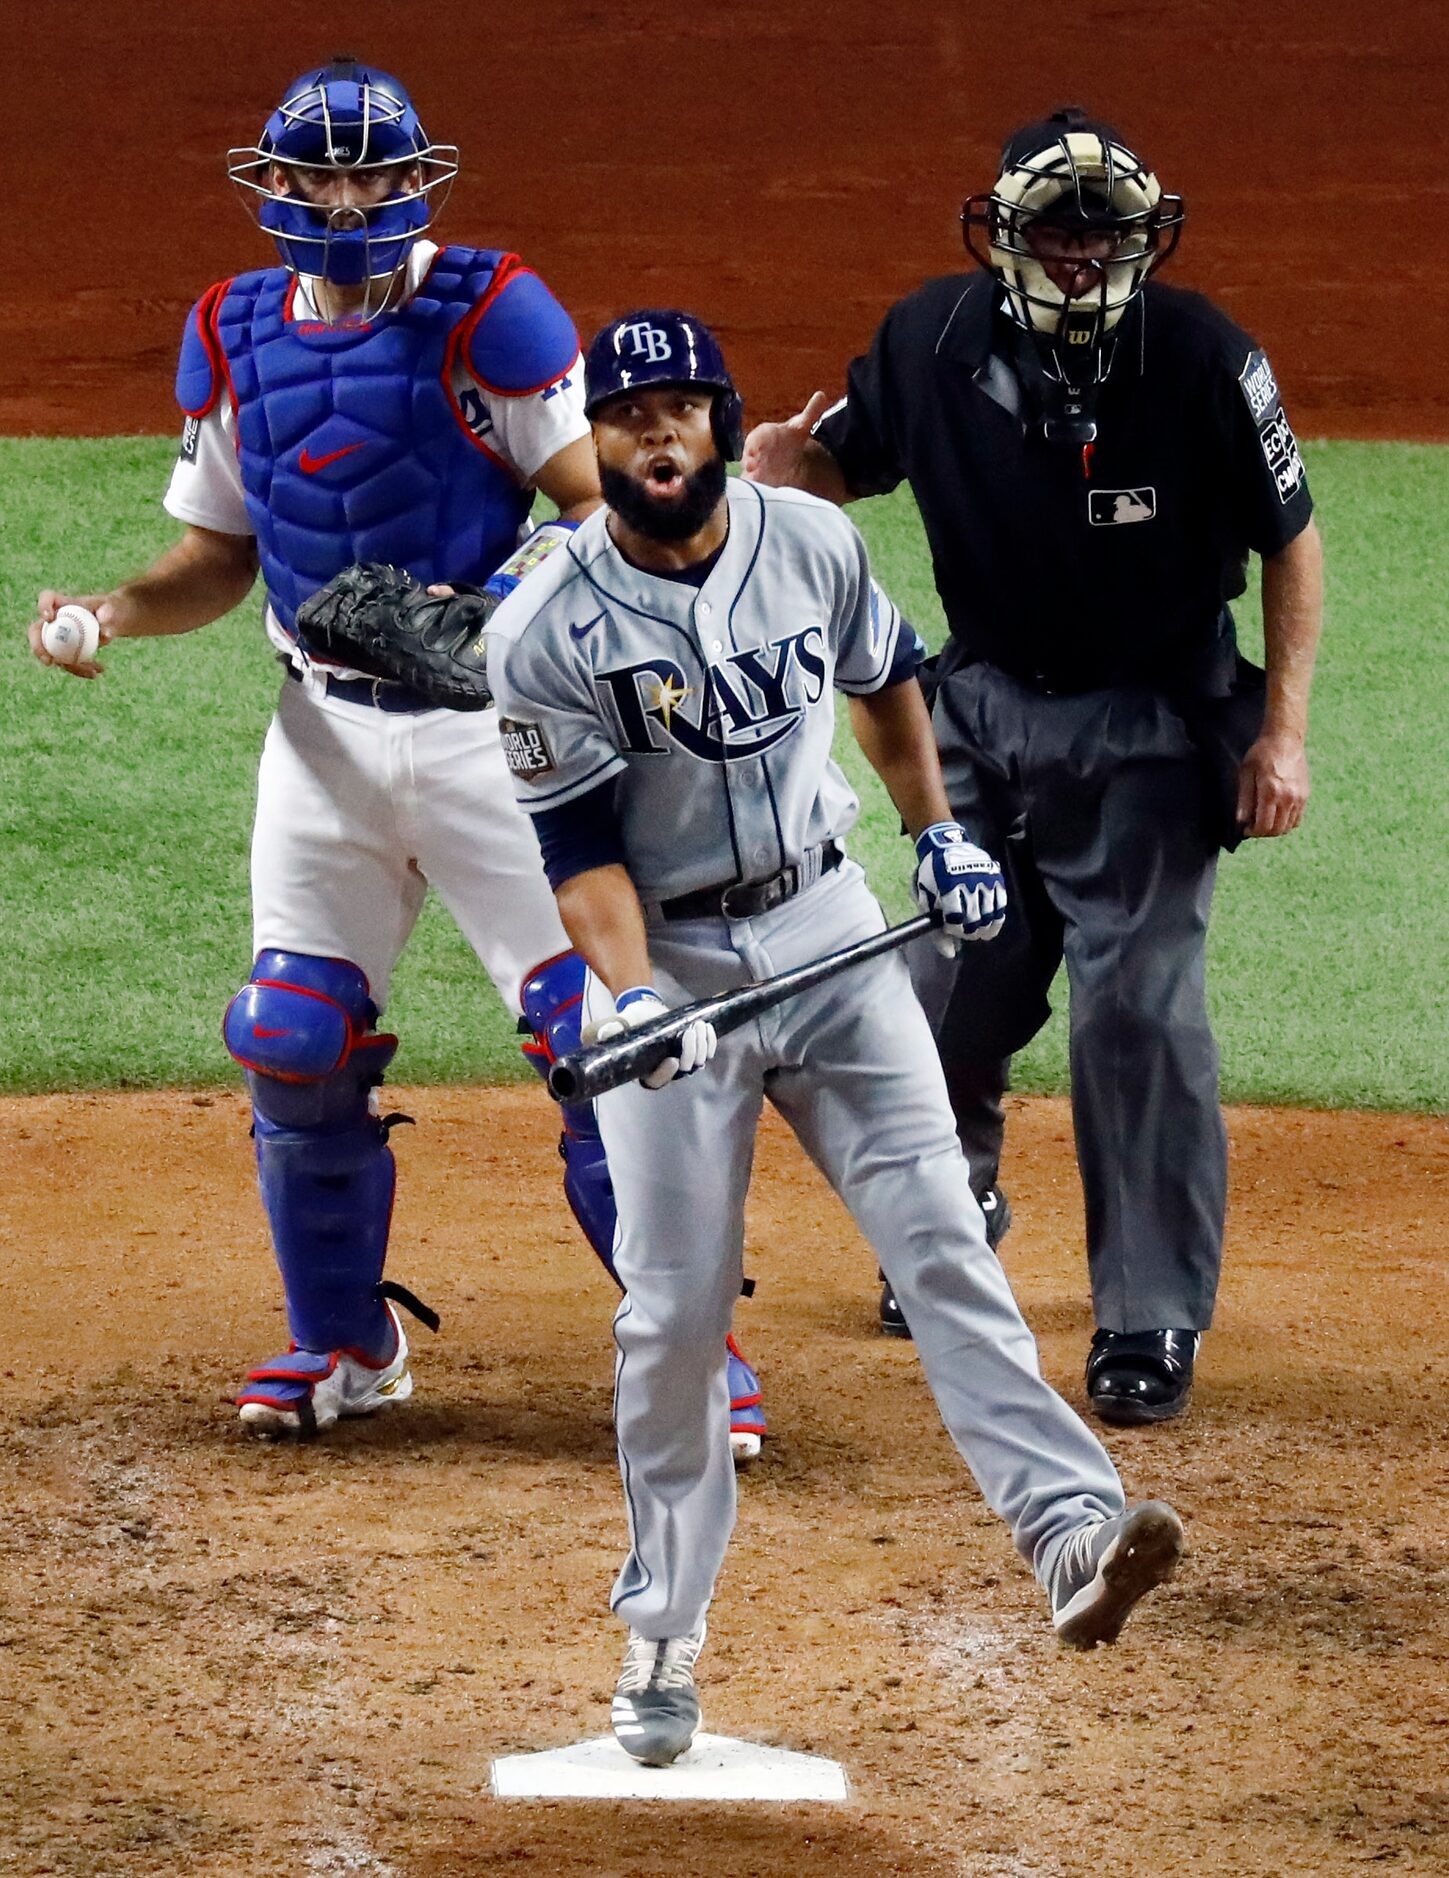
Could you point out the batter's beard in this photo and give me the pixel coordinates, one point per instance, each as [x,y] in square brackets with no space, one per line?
[647,515]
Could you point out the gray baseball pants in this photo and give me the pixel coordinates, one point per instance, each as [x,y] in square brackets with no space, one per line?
[852,1067]
[1094,805]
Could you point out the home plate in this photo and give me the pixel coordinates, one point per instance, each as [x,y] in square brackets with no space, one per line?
[715,1768]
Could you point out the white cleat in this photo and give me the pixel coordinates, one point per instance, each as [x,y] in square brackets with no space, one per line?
[747,1408]
[299,1395]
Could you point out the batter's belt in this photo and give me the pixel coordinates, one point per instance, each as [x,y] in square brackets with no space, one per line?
[748,899]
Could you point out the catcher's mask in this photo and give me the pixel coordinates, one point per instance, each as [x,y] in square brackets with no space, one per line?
[346,119]
[1076,178]
[656,348]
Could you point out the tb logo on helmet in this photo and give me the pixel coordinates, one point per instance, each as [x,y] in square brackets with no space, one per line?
[649,343]
[661,346]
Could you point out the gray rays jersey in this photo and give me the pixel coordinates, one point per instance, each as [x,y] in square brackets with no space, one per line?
[713,704]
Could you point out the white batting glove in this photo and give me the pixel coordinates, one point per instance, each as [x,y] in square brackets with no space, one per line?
[641,1004]
[960,884]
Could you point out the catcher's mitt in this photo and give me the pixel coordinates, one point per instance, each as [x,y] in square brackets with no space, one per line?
[381,621]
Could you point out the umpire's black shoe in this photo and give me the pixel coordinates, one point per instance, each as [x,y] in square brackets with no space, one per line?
[1136,1376]
[995,1211]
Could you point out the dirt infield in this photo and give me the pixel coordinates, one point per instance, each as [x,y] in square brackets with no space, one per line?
[786,172]
[225,1660]
[218,1658]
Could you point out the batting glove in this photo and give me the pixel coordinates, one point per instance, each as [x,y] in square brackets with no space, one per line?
[959,884]
[641,1005]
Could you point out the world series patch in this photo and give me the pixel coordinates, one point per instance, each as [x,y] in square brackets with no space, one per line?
[1258,384]
[525,748]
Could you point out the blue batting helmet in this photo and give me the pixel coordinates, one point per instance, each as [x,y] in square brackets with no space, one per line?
[352,118]
[659,347]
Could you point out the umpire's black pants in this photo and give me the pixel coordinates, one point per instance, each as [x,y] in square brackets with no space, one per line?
[1094,804]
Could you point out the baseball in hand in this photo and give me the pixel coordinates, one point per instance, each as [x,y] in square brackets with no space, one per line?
[73,636]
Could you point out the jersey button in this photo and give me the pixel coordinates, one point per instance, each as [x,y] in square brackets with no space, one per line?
[715,646]
[705,609]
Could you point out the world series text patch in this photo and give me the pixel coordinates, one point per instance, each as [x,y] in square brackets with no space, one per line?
[525,748]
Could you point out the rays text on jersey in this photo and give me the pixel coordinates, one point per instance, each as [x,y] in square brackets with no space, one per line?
[747,704]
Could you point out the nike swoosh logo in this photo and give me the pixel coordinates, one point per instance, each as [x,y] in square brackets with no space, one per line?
[309,464]
[257,1031]
[578,632]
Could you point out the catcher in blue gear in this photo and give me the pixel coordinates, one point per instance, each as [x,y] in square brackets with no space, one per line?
[374,398]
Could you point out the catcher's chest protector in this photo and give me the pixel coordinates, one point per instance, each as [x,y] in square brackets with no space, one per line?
[352,447]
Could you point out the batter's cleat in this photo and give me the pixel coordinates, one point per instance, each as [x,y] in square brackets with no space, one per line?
[996,1214]
[298,1395]
[747,1414]
[1106,1566]
[1139,1376]
[656,1705]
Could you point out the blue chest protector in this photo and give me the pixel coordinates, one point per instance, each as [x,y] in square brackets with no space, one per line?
[352,444]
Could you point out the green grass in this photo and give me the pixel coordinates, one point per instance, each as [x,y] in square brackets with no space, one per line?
[124,810]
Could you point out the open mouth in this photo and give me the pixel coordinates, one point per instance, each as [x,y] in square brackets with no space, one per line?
[664,477]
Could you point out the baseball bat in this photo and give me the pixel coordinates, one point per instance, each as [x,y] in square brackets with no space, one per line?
[589,1072]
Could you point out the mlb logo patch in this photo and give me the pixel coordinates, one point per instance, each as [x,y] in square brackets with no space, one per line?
[1114,508]
[525,749]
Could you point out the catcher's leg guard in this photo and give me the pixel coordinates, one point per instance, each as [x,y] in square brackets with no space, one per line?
[747,1407]
[303,1031]
[553,1017]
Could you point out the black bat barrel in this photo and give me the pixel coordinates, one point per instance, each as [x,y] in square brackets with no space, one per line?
[589,1072]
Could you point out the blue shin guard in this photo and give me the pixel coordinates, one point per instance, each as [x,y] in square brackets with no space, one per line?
[303,1031]
[553,1013]
[329,1204]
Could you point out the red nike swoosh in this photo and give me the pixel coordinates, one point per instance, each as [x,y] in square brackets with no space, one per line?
[257,1031]
[310,464]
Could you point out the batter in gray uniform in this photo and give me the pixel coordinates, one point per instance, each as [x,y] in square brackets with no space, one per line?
[666,689]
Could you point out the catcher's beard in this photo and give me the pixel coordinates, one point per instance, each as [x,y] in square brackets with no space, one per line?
[629,497]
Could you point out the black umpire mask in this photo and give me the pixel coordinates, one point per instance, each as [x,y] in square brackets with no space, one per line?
[675,520]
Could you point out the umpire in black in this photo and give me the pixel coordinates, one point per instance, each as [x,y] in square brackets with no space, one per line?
[1094,456]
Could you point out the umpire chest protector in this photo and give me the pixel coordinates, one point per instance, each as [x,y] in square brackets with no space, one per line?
[351,441]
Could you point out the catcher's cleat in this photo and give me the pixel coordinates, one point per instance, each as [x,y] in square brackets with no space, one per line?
[1105,1566]
[995,1212]
[298,1395]
[747,1414]
[656,1705]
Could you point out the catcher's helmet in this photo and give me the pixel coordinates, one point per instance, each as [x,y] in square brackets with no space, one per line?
[658,347]
[353,118]
[1072,173]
